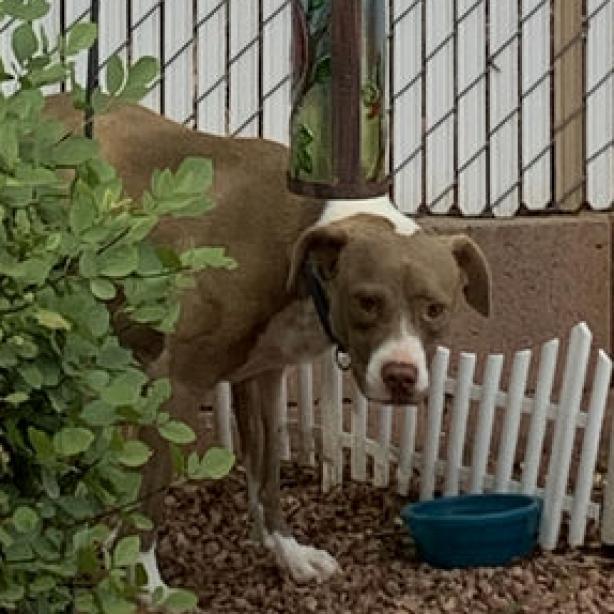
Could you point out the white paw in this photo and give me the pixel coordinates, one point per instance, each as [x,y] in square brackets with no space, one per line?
[304,563]
[155,584]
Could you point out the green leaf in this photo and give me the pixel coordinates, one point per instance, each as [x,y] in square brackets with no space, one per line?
[180,600]
[177,432]
[194,175]
[41,442]
[12,593]
[199,258]
[97,379]
[72,440]
[32,375]
[88,263]
[217,463]
[118,261]
[134,454]
[83,210]
[143,71]
[125,389]
[114,75]
[127,551]
[85,602]
[148,313]
[25,43]
[25,519]
[141,228]
[48,75]
[103,289]
[52,320]
[9,144]
[99,413]
[6,539]
[26,11]
[42,584]
[140,522]
[16,398]
[80,37]
[74,150]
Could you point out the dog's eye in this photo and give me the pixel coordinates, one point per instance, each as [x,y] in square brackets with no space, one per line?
[434,311]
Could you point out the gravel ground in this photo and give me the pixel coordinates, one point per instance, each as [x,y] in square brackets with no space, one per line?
[204,546]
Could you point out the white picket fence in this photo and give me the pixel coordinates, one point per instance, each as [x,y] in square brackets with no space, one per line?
[470,92]
[491,463]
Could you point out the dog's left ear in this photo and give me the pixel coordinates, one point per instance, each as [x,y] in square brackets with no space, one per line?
[474,267]
[323,245]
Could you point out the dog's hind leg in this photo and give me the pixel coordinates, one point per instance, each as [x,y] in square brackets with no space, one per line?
[304,563]
[246,401]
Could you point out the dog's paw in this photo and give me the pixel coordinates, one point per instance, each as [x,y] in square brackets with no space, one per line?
[304,563]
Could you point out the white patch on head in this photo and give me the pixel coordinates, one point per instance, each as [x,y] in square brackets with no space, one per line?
[304,563]
[380,206]
[403,348]
[149,562]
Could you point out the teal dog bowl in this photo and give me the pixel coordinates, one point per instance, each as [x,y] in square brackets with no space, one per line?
[474,530]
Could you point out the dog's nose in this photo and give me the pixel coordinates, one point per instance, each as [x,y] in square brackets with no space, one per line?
[400,378]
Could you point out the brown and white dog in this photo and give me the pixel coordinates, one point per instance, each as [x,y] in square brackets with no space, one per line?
[390,289]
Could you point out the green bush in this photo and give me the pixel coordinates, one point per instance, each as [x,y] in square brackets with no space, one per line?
[68,390]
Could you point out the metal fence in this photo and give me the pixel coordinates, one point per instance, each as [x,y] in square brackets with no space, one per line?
[497,107]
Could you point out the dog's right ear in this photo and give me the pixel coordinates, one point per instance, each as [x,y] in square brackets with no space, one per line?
[322,245]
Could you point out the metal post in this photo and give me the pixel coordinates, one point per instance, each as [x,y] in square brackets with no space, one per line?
[92,72]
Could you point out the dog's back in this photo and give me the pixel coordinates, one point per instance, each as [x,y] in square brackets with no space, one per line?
[255,218]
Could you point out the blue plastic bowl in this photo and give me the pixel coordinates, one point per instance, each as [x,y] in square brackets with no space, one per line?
[474,530]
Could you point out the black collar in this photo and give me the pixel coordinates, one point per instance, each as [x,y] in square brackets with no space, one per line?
[320,301]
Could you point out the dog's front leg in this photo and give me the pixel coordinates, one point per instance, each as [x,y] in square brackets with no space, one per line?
[304,563]
[246,400]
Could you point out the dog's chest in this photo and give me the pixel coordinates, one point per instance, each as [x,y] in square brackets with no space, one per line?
[292,336]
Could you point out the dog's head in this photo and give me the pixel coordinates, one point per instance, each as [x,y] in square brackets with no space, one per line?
[391,296]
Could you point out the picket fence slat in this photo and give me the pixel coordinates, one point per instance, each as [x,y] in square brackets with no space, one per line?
[359,436]
[471,137]
[211,92]
[331,414]
[536,82]
[406,104]
[509,432]
[503,112]
[282,409]
[539,415]
[590,448]
[381,465]
[439,106]
[244,51]
[562,445]
[222,406]
[306,421]
[486,413]
[275,70]
[436,400]
[599,105]
[460,410]
[146,41]
[407,448]
[178,54]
